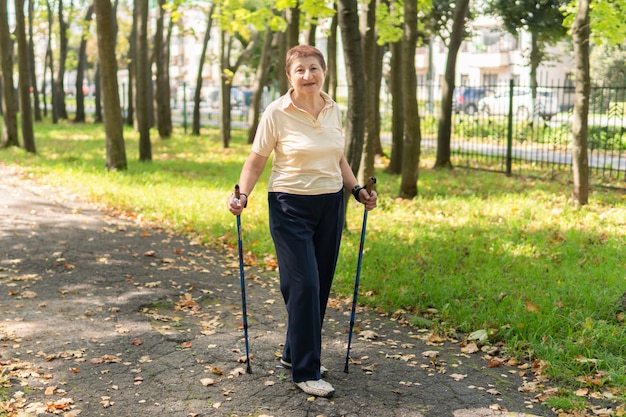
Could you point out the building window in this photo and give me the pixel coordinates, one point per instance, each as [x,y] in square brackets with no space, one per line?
[490,80]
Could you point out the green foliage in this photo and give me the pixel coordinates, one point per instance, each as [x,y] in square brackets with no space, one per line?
[509,256]
[606,20]
[389,23]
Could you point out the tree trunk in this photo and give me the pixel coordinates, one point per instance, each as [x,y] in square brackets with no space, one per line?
[260,80]
[412,135]
[132,70]
[113,123]
[447,90]
[143,79]
[368,39]
[225,80]
[228,71]
[59,83]
[80,69]
[197,92]
[293,26]
[353,56]
[53,100]
[330,84]
[97,115]
[161,57]
[28,136]
[580,162]
[31,57]
[397,112]
[9,102]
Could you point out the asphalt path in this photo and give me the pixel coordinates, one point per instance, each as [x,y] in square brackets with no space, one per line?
[102,315]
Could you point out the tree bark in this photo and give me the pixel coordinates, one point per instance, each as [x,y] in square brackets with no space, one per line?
[143,79]
[9,102]
[368,39]
[582,83]
[31,57]
[260,80]
[412,135]
[330,84]
[80,69]
[58,105]
[132,70]
[397,109]
[113,123]
[50,63]
[353,56]
[447,89]
[162,57]
[28,135]
[198,91]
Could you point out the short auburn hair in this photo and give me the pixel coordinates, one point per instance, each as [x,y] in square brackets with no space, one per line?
[303,51]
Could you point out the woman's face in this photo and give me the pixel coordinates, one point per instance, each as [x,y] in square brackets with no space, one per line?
[306,75]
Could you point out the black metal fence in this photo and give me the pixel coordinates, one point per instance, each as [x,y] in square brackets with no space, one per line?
[508,129]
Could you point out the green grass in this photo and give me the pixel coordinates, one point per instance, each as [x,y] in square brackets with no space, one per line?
[474,251]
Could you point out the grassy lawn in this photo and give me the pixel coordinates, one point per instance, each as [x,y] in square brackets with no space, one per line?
[509,258]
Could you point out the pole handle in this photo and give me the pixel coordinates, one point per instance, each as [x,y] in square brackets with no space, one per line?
[370,184]
[237,193]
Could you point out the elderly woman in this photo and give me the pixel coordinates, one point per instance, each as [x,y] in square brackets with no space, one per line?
[303,129]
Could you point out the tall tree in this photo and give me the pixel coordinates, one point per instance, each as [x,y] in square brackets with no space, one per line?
[58,104]
[199,80]
[82,63]
[31,57]
[457,34]
[161,58]
[28,136]
[260,80]
[143,79]
[372,94]
[131,65]
[9,103]
[113,123]
[582,84]
[330,84]
[348,21]
[397,113]
[50,65]
[411,146]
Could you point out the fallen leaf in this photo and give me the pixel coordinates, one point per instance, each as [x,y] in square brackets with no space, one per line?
[458,377]
[207,381]
[217,371]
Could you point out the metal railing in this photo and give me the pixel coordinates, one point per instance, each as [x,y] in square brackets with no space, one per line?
[507,130]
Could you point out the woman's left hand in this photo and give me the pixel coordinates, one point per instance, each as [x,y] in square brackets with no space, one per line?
[368,200]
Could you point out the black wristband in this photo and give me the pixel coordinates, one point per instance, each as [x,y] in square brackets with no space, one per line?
[355,192]
[246,203]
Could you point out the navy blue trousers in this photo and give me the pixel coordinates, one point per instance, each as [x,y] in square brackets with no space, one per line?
[307,233]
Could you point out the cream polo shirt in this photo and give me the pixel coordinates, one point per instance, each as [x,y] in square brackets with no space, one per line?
[306,150]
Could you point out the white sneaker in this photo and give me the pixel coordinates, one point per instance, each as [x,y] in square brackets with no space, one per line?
[319,388]
[287,365]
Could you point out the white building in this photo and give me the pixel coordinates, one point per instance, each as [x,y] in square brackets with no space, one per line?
[492,56]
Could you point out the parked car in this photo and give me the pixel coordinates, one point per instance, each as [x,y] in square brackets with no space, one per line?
[238,97]
[465,99]
[545,106]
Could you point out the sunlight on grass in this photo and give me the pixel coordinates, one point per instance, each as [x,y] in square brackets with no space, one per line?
[480,250]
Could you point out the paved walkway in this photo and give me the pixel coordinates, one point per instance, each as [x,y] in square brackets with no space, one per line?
[103,316]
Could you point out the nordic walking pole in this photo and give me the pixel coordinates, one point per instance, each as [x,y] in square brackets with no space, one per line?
[368,188]
[242,280]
